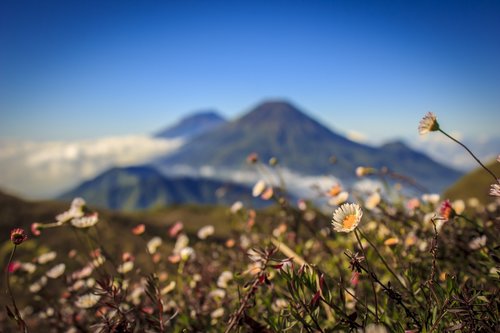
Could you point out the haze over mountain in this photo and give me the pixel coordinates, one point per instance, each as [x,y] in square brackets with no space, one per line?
[193,125]
[302,144]
[44,169]
[143,187]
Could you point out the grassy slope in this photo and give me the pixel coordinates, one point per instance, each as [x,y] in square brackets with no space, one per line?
[474,184]
[114,229]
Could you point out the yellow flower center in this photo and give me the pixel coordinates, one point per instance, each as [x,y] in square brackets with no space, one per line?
[349,221]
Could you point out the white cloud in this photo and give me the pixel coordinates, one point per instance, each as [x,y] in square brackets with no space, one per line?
[45,169]
[302,186]
[357,137]
[444,150]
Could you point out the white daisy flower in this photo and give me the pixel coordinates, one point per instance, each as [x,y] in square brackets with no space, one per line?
[28,267]
[279,304]
[181,242]
[458,206]
[428,124]
[224,278]
[87,301]
[75,211]
[125,267]
[236,207]
[339,199]
[154,244]
[495,190]
[259,188]
[46,257]
[206,231]
[347,217]
[38,285]
[478,242]
[217,293]
[168,288]
[432,198]
[217,313]
[186,253]
[85,221]
[372,201]
[56,271]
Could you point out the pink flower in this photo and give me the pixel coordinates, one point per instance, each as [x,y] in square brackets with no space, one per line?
[35,229]
[18,236]
[139,229]
[14,266]
[252,158]
[446,211]
[175,229]
[355,278]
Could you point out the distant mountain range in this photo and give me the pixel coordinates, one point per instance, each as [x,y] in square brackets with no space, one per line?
[272,129]
[192,125]
[143,187]
[304,145]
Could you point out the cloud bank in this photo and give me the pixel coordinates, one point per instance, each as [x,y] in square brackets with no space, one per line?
[444,150]
[39,170]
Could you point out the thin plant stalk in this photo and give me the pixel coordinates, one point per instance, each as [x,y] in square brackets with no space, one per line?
[474,156]
[17,315]
[383,260]
[367,263]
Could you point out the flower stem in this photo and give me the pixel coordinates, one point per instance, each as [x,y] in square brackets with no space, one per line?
[369,268]
[17,314]
[477,160]
[384,262]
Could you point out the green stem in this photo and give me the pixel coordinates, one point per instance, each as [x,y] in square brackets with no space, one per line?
[18,318]
[477,160]
[390,293]
[383,261]
[369,268]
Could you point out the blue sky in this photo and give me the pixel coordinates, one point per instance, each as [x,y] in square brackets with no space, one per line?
[74,70]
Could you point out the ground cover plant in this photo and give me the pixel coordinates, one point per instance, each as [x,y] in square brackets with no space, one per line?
[389,259]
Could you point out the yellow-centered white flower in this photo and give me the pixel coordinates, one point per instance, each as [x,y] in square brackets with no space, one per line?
[347,217]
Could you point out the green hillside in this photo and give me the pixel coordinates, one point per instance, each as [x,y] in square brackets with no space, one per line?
[474,184]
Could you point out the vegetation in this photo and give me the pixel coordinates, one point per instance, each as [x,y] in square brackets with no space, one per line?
[473,185]
[385,262]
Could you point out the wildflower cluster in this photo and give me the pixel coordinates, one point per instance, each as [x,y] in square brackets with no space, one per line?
[392,258]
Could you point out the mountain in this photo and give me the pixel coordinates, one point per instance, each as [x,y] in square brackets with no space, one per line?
[475,184]
[193,125]
[302,144]
[143,187]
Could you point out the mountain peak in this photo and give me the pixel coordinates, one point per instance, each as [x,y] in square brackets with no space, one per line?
[192,125]
[276,112]
[395,145]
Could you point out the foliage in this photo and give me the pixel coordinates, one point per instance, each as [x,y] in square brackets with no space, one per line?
[413,264]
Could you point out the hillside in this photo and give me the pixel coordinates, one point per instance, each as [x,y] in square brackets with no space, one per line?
[114,227]
[475,184]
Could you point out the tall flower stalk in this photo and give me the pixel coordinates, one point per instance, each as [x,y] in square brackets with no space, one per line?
[17,237]
[429,123]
